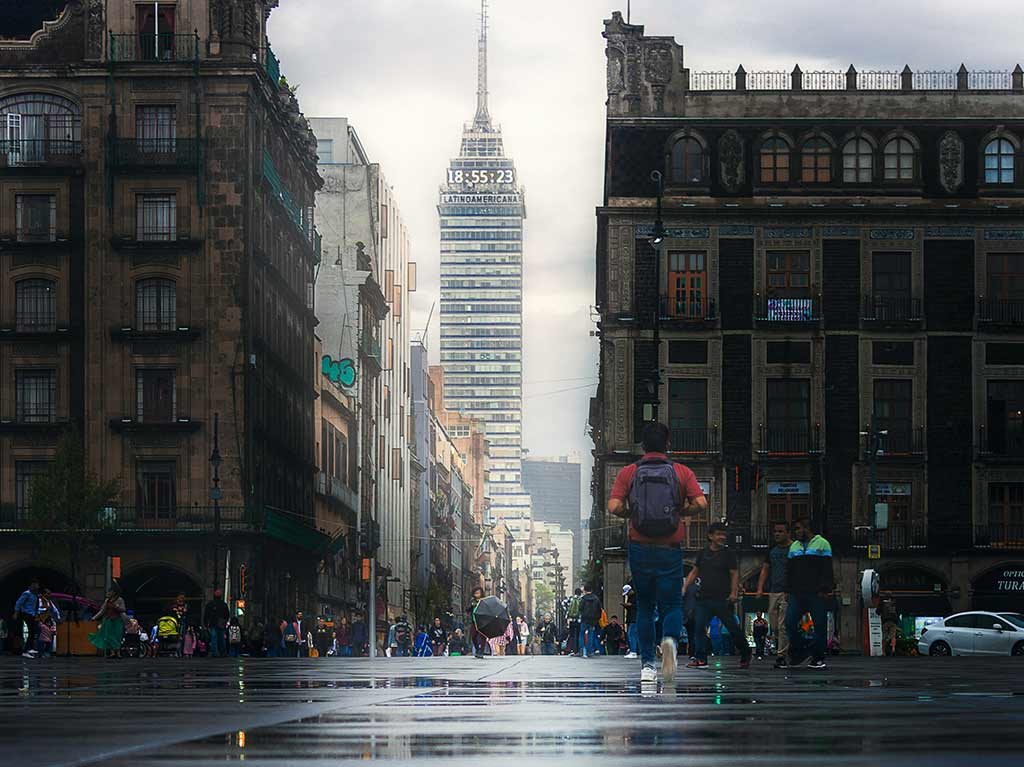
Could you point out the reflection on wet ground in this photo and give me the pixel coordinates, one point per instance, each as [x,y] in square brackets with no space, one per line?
[895,712]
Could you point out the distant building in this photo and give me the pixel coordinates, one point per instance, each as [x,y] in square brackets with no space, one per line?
[554,488]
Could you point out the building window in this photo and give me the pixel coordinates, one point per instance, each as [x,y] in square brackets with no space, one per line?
[396,463]
[892,353]
[788,502]
[899,160]
[999,162]
[789,415]
[789,273]
[155,129]
[325,151]
[36,217]
[35,396]
[25,473]
[155,305]
[894,412]
[1006,511]
[687,285]
[890,281]
[1005,301]
[155,396]
[156,217]
[858,161]
[688,352]
[156,31]
[789,352]
[154,489]
[899,496]
[774,161]
[816,162]
[1004,354]
[36,306]
[1005,409]
[35,127]
[687,161]
[688,415]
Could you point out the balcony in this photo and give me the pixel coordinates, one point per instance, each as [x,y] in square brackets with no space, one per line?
[887,310]
[899,443]
[182,334]
[1001,313]
[787,312]
[40,334]
[154,49]
[695,442]
[999,535]
[1006,445]
[789,443]
[899,536]
[157,238]
[133,426]
[369,349]
[688,312]
[334,489]
[45,153]
[173,155]
[159,519]
[39,424]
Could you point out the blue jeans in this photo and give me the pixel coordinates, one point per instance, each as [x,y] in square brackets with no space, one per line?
[798,645]
[658,580]
[218,642]
[726,613]
[631,637]
[588,639]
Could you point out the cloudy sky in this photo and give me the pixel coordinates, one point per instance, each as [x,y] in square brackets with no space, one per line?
[404,73]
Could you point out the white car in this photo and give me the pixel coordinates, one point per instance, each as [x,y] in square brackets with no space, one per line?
[974,633]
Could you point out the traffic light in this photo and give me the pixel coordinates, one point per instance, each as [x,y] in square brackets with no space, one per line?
[369,538]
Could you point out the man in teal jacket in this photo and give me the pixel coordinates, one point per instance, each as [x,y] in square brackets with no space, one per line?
[809,585]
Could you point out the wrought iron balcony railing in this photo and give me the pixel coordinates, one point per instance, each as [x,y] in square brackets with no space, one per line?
[1001,311]
[156,517]
[688,310]
[694,441]
[1006,442]
[880,308]
[778,441]
[898,441]
[157,153]
[899,536]
[156,48]
[42,152]
[999,535]
[787,310]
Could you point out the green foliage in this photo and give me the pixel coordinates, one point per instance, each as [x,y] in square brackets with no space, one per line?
[68,505]
[544,597]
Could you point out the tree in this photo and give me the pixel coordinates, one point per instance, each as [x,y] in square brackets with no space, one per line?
[66,512]
[544,597]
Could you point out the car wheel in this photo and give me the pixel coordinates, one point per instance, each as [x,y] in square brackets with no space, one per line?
[940,648]
[1018,649]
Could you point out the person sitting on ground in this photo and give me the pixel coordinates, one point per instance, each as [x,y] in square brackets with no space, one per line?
[613,635]
[457,645]
[438,637]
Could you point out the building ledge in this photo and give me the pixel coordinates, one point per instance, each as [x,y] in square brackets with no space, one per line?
[60,335]
[34,427]
[180,426]
[131,244]
[179,335]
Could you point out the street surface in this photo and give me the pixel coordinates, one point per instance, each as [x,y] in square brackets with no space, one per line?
[532,710]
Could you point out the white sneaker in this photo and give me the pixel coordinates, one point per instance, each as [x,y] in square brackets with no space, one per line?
[648,674]
[631,656]
[668,659]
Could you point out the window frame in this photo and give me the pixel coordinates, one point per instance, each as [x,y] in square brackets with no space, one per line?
[694,437]
[823,149]
[688,141]
[142,403]
[856,141]
[146,206]
[25,472]
[897,140]
[156,511]
[770,148]
[887,396]
[683,284]
[156,128]
[998,140]
[165,297]
[45,409]
[23,216]
[26,323]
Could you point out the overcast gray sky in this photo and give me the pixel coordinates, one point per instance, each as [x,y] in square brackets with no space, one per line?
[404,73]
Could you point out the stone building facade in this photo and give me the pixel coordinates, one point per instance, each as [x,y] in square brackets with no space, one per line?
[837,269]
[155,280]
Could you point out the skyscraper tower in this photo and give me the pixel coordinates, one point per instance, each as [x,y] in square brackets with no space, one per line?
[482,211]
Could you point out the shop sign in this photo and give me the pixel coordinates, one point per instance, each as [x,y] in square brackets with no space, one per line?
[1008,579]
[874,633]
[892,488]
[789,488]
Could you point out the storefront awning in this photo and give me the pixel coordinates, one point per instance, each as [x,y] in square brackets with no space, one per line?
[922,605]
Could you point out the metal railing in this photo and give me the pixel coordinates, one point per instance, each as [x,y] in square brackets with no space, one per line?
[788,441]
[898,536]
[882,308]
[879,80]
[43,152]
[156,152]
[899,441]
[712,81]
[157,517]
[771,309]
[160,48]
[824,81]
[370,346]
[999,535]
[1001,311]
[694,441]
[688,309]
[903,80]
[1008,443]
[990,81]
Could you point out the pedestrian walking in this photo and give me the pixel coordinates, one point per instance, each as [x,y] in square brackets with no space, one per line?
[403,641]
[26,609]
[304,631]
[523,630]
[548,633]
[360,637]
[590,618]
[215,619]
[111,631]
[343,637]
[179,611]
[273,637]
[810,583]
[654,494]
[773,576]
[572,614]
[290,637]
[629,615]
[438,637]
[760,631]
[718,570]
[478,640]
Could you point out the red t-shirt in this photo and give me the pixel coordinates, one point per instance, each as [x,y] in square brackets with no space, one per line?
[687,482]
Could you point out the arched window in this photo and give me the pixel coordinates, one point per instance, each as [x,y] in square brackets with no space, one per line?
[999,162]
[156,305]
[858,161]
[816,162]
[899,160]
[36,306]
[35,126]
[774,161]
[687,161]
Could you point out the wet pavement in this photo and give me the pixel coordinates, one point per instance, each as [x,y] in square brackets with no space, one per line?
[535,710]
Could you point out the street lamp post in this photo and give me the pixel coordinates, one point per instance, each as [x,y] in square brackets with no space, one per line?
[657,240]
[215,494]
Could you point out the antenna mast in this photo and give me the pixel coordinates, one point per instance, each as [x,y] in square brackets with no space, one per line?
[482,121]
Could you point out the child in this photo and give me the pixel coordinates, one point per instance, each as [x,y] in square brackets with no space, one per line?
[154,642]
[424,647]
[189,645]
[46,632]
[234,639]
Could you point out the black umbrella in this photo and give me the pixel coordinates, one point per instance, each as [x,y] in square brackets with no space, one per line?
[491,617]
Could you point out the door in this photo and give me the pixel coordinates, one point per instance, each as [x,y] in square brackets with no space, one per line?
[12,138]
[989,640]
[958,633]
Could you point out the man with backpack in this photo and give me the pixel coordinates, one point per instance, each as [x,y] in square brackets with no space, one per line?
[654,494]
[572,614]
[590,617]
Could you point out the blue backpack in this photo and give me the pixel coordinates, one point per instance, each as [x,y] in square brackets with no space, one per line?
[655,498]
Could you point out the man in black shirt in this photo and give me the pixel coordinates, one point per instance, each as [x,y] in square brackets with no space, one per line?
[718,571]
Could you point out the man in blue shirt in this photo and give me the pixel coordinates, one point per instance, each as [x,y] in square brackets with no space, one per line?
[25,611]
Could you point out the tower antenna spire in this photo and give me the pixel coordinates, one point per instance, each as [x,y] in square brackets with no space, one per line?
[482,121]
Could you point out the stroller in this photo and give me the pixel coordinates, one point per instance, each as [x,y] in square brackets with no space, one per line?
[168,635]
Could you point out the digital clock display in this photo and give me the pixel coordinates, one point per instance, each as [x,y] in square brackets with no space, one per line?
[481,176]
